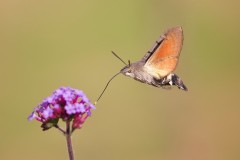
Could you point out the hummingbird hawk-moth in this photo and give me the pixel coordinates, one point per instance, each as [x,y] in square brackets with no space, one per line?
[157,66]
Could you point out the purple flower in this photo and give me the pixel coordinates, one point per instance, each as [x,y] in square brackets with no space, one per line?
[65,103]
[70,109]
[47,113]
[32,116]
[80,108]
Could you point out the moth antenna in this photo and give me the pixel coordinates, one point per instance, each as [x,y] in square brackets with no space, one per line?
[106,87]
[119,57]
[129,63]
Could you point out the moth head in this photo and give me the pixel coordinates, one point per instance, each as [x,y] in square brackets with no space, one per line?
[128,70]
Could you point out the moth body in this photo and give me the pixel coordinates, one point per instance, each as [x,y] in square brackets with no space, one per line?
[157,66]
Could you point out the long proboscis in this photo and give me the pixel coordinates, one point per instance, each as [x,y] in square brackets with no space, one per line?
[106,87]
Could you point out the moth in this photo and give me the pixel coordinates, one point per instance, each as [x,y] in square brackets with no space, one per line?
[157,66]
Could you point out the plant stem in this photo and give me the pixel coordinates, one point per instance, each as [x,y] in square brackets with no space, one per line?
[69,141]
[60,129]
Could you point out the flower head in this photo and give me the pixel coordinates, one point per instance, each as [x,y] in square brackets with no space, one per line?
[65,103]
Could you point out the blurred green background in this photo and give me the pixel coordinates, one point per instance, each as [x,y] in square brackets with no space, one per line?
[47,44]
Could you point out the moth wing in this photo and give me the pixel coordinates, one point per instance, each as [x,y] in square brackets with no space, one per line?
[163,58]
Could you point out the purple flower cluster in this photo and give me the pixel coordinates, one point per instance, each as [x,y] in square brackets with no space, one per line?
[65,103]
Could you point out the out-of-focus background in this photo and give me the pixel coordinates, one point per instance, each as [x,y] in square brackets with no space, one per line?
[47,44]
